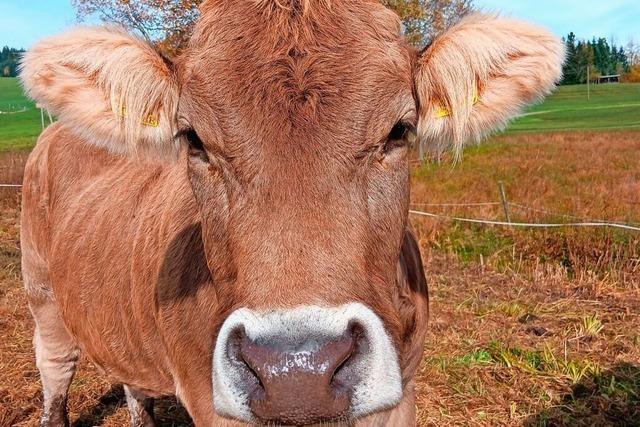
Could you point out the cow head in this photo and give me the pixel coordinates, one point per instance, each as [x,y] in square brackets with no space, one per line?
[294,121]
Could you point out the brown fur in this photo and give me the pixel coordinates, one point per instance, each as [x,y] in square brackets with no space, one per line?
[295,199]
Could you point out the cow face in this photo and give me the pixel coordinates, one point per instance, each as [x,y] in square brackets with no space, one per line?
[302,181]
[294,121]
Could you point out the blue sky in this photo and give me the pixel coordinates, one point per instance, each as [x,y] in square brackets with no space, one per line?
[22,22]
[617,19]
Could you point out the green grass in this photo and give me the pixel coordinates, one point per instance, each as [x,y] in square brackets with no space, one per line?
[20,122]
[613,106]
[468,243]
[539,361]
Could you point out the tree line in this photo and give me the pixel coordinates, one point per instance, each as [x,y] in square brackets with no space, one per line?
[597,57]
[9,59]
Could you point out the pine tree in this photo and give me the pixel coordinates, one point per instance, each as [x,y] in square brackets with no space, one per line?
[597,55]
[623,60]
[570,70]
[9,59]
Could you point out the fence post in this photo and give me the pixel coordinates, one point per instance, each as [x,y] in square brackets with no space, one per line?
[505,203]
[588,84]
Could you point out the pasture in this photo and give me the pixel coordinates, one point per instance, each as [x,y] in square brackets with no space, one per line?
[20,122]
[570,108]
[530,327]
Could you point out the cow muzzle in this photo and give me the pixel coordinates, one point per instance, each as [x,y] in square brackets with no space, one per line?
[304,366]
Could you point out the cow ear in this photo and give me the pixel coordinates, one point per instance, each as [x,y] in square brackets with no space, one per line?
[113,89]
[479,74]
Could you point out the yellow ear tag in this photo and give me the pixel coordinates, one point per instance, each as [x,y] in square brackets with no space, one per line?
[150,120]
[442,111]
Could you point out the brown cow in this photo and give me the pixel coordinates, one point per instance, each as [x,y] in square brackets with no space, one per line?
[231,227]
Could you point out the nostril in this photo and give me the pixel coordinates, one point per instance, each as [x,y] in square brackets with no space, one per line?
[249,381]
[344,377]
[340,379]
[357,331]
[257,389]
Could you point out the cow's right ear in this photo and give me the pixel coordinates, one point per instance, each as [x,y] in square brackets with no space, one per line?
[481,73]
[111,88]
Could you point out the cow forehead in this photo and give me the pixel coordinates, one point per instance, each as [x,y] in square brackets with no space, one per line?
[297,20]
[301,60]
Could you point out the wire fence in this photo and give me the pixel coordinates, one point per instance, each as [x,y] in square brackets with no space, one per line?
[573,221]
[522,208]
[526,224]
[573,217]
[457,205]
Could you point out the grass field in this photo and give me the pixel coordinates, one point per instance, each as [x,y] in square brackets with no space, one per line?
[528,327]
[610,107]
[20,122]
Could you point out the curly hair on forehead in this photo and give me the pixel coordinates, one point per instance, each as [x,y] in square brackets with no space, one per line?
[302,7]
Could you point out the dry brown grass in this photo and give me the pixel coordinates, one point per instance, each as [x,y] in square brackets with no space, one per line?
[534,327]
[591,174]
[564,177]
[510,349]
[528,327]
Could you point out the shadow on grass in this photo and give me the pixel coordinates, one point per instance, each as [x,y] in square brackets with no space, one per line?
[610,398]
[107,405]
[168,411]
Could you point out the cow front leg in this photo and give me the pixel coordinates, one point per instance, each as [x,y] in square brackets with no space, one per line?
[140,408]
[56,357]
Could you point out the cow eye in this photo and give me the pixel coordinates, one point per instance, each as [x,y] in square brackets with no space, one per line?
[196,147]
[194,141]
[401,134]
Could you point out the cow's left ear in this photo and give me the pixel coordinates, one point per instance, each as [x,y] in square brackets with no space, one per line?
[479,74]
[111,88]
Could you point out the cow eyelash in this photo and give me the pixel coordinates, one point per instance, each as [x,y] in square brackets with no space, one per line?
[400,135]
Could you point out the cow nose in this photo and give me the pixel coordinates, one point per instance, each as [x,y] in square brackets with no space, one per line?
[304,365]
[299,383]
